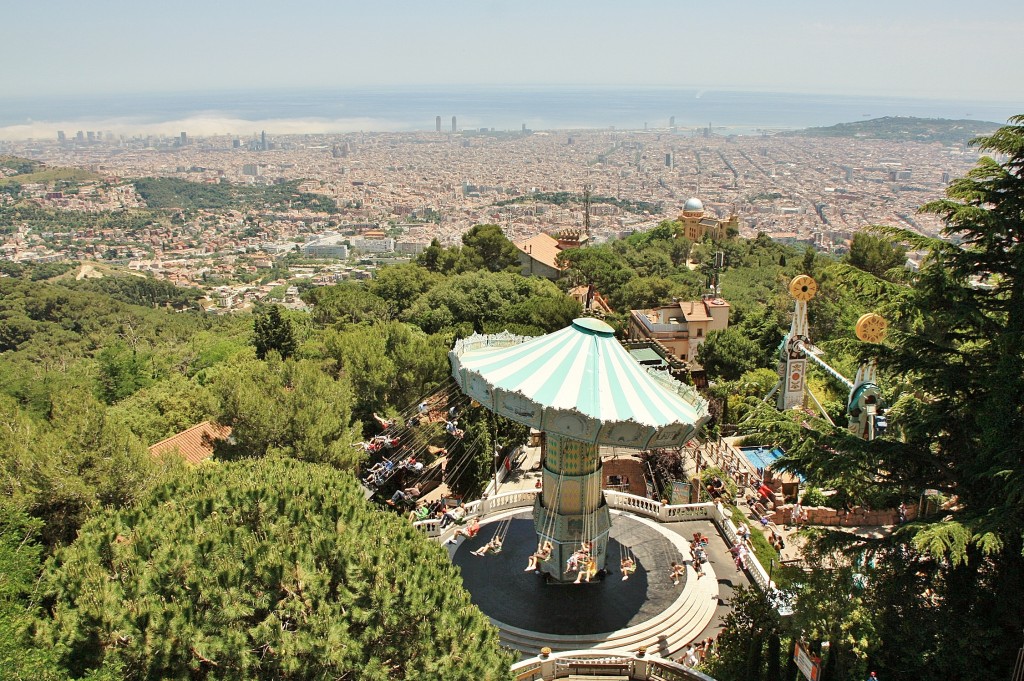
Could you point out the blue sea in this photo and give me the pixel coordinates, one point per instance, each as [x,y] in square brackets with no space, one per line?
[500,108]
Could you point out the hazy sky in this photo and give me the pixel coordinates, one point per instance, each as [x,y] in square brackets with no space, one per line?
[935,48]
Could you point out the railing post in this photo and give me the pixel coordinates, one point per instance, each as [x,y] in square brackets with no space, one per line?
[640,666]
[547,664]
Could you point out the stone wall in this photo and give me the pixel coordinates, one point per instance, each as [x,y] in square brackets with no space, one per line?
[823,515]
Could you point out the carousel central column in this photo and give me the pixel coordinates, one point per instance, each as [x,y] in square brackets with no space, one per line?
[571,508]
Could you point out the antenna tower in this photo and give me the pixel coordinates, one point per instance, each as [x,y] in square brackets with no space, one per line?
[586,209]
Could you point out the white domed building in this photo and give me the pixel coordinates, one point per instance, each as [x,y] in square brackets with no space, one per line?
[696,226]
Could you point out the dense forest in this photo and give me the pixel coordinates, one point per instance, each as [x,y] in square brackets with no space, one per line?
[267,562]
[170,192]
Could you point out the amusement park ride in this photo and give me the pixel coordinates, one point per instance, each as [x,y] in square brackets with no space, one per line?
[864,405]
[582,389]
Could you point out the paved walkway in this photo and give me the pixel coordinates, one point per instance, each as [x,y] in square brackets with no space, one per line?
[721,561]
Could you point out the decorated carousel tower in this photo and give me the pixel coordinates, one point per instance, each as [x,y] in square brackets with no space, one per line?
[582,389]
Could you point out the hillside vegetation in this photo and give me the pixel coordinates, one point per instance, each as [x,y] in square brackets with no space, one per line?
[905,128]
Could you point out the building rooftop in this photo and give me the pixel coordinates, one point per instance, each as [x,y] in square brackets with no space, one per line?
[541,247]
[695,311]
[195,444]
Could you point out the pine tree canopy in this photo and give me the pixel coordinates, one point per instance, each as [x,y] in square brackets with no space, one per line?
[263,569]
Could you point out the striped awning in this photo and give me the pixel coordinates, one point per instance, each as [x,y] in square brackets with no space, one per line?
[578,382]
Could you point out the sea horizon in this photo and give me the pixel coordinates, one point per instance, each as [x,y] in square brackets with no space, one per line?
[501,108]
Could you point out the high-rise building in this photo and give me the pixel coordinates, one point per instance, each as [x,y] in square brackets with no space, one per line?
[236,143]
[91,136]
[61,137]
[454,127]
[263,141]
[672,122]
[669,161]
[184,139]
[437,124]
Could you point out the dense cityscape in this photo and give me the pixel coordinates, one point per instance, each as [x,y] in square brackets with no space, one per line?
[390,194]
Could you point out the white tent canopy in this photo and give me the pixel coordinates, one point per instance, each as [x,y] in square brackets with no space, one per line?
[578,382]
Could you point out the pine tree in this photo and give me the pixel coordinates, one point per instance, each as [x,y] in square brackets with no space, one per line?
[263,569]
[273,331]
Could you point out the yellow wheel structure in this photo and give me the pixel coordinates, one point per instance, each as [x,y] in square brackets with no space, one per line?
[872,328]
[803,287]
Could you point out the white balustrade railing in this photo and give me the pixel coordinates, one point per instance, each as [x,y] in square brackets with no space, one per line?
[651,508]
[728,531]
[478,507]
[639,666]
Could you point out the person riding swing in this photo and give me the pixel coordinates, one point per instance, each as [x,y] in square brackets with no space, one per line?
[543,553]
[628,567]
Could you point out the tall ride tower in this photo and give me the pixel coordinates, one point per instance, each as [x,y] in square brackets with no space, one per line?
[793,355]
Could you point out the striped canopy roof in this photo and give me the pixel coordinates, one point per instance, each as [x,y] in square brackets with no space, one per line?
[580,383]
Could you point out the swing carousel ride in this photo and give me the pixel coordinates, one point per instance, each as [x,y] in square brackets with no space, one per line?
[582,389]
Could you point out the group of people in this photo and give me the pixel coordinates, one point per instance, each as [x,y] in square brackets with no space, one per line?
[716,487]
[583,563]
[389,444]
[695,653]
[698,553]
[739,555]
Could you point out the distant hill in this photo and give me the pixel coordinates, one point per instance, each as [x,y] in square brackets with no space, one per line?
[177,194]
[26,171]
[905,128]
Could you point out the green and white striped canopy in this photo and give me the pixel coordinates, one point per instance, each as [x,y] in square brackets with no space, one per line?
[580,383]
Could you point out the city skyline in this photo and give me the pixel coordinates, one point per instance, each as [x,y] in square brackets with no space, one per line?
[910,49]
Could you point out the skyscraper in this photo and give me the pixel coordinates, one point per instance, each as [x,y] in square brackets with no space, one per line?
[184,139]
[263,141]
[61,137]
[672,122]
[453,124]
[437,123]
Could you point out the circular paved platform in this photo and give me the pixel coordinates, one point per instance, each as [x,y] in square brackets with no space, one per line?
[506,593]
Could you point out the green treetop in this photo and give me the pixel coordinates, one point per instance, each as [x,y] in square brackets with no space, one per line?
[269,569]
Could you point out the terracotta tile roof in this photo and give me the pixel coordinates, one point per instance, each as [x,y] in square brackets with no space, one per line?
[194,444]
[694,311]
[541,247]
